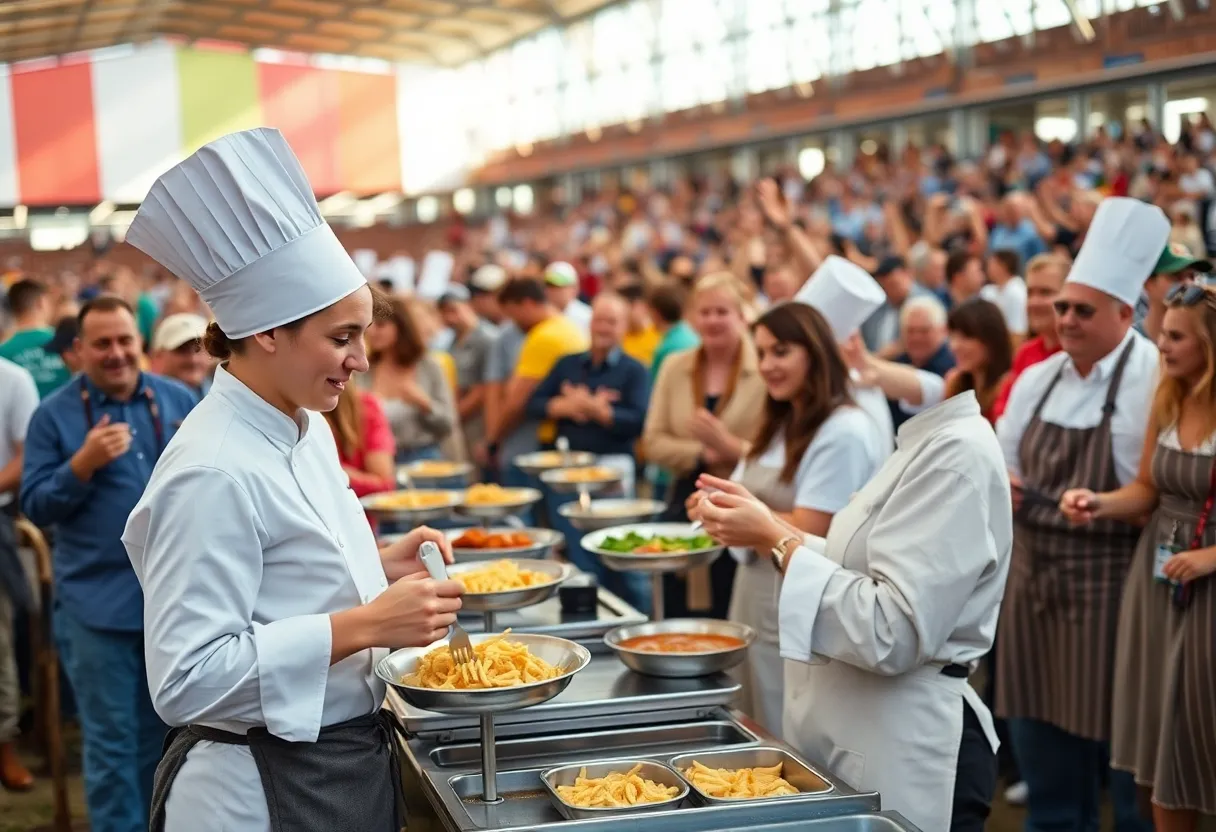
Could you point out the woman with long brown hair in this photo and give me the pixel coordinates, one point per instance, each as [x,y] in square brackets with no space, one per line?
[365,441]
[815,448]
[412,386]
[983,352]
[702,417]
[1165,662]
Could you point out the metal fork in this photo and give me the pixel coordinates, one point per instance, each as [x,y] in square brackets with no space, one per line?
[458,642]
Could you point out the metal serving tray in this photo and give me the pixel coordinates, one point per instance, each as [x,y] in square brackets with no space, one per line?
[796,772]
[655,772]
[527,805]
[650,740]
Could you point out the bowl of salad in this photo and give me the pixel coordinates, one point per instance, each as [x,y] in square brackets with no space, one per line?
[653,547]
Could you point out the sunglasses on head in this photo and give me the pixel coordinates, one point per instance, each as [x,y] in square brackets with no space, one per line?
[1084,311]
[1185,294]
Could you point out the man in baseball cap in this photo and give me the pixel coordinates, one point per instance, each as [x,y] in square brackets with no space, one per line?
[561,288]
[483,292]
[1176,265]
[177,351]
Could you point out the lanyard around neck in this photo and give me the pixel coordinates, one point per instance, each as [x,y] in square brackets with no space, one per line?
[158,428]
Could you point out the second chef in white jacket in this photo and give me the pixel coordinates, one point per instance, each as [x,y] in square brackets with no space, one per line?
[265,598]
[891,612]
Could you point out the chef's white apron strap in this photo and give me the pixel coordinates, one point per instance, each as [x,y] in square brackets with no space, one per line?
[976,772]
[348,779]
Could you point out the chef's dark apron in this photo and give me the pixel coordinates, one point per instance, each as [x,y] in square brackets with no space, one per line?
[348,779]
[1061,607]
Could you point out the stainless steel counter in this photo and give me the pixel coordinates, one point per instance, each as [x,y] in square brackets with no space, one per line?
[443,780]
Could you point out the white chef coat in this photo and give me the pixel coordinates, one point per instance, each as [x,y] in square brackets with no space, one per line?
[843,455]
[1011,300]
[909,579]
[246,539]
[1076,402]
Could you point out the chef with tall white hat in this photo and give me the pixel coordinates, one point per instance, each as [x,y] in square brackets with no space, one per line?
[1076,420]
[882,621]
[266,602]
[847,296]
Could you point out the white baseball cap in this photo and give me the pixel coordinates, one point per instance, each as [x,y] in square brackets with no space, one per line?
[489,278]
[179,329]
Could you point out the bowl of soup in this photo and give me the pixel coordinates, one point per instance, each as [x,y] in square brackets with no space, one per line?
[681,648]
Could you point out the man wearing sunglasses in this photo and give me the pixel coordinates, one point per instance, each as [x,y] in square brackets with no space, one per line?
[1175,267]
[1077,419]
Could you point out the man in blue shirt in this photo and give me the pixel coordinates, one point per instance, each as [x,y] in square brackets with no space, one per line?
[598,399]
[89,453]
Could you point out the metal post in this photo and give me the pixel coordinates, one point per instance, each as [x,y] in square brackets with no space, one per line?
[656,596]
[489,763]
[1156,105]
[488,621]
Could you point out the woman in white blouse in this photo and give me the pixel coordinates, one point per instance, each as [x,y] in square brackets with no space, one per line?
[266,603]
[891,611]
[814,450]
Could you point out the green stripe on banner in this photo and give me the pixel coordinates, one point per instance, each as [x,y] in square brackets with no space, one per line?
[219,92]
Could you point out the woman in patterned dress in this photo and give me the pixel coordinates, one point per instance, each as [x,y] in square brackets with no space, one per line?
[1164,728]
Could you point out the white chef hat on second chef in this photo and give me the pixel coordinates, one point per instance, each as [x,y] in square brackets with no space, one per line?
[1121,248]
[238,221]
[843,293]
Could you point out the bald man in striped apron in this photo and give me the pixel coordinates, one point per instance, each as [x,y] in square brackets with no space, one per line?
[1076,420]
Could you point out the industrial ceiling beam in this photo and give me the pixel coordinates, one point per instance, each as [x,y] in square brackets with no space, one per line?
[1085,28]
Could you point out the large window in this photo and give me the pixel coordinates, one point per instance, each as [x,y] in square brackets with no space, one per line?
[641,58]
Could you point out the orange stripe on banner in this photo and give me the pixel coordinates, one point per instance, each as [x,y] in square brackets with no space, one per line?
[369,155]
[302,101]
[56,137]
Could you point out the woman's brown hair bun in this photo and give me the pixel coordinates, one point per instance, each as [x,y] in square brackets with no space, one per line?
[217,344]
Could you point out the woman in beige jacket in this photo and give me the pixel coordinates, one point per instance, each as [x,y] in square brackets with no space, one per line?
[705,409]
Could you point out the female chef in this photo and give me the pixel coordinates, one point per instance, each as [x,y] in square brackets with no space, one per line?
[890,613]
[815,448]
[265,600]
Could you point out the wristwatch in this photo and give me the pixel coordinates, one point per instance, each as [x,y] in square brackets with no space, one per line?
[782,551]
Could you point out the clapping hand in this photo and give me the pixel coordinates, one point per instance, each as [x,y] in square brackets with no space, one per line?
[1079,505]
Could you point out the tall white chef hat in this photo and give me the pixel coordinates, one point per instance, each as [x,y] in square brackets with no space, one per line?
[843,293]
[238,221]
[1121,248]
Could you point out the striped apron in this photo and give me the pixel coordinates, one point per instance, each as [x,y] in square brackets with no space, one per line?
[1061,609]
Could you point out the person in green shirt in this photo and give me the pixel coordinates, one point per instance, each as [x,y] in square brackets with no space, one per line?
[667,311]
[31,304]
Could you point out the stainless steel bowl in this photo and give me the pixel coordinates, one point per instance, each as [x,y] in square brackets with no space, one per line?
[663,562]
[534,463]
[416,473]
[543,541]
[373,505]
[513,599]
[655,772]
[497,511]
[681,665]
[558,480]
[559,652]
[605,514]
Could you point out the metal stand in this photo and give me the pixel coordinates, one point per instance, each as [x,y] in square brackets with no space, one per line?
[488,622]
[489,761]
[656,596]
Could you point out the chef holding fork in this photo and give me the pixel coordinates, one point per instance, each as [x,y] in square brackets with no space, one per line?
[266,601]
